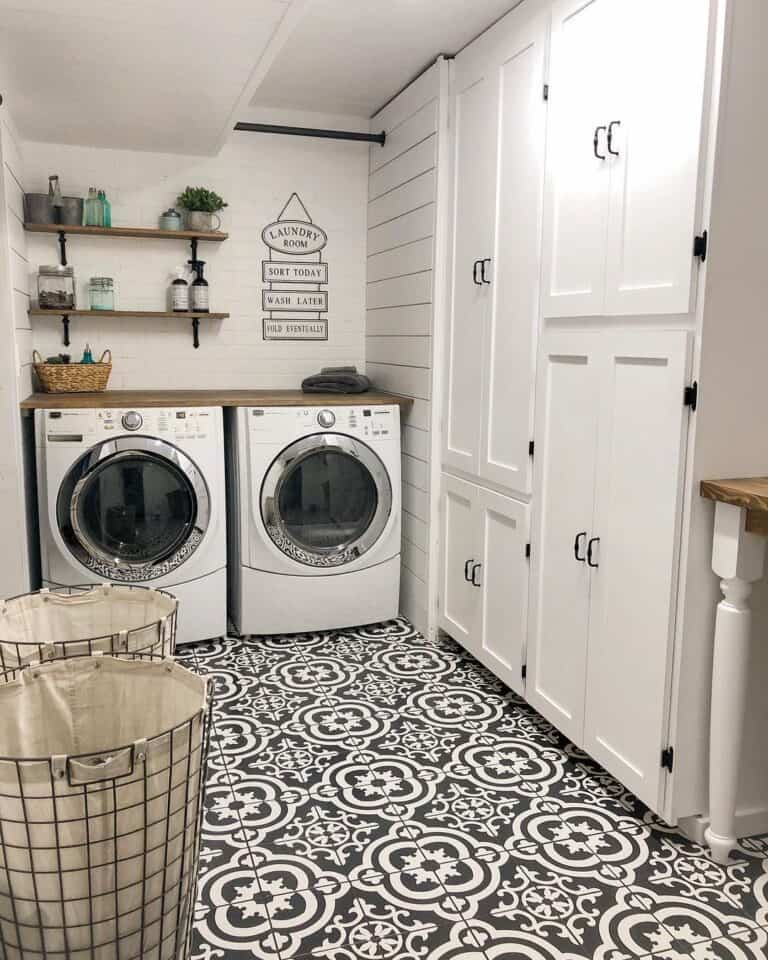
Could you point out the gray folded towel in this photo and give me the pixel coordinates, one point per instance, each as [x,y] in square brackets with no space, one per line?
[336,380]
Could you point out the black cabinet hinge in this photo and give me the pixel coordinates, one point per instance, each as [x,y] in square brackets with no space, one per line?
[700,244]
[668,758]
[691,395]
[524,671]
[530,448]
[545,91]
[528,550]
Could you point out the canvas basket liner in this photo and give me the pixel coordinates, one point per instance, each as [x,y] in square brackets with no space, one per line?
[101,771]
[110,618]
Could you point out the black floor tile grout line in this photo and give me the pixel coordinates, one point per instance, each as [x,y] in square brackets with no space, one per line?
[243,828]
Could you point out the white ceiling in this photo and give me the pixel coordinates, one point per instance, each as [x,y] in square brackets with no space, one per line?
[174,75]
[159,75]
[351,56]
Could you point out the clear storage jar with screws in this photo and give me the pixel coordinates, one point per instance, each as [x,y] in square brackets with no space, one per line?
[101,293]
[56,287]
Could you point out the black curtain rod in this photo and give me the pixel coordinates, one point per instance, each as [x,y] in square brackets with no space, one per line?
[379,138]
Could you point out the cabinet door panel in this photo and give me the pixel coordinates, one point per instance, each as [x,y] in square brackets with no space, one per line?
[474,173]
[637,517]
[654,179]
[459,599]
[577,182]
[503,620]
[566,442]
[509,359]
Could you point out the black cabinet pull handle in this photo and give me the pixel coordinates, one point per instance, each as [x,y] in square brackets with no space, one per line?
[467,565]
[577,544]
[589,551]
[609,145]
[483,277]
[596,142]
[475,265]
[475,568]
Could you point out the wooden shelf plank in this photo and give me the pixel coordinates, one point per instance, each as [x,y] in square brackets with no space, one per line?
[157,314]
[750,493]
[142,233]
[212,398]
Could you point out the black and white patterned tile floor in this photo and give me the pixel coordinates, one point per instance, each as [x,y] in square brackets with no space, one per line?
[376,796]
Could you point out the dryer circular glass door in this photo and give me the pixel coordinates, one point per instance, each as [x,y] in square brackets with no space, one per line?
[133,508]
[326,500]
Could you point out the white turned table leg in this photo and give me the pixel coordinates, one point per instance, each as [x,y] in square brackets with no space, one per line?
[739,558]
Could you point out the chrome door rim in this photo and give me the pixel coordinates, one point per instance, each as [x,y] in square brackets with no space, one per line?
[275,477]
[95,558]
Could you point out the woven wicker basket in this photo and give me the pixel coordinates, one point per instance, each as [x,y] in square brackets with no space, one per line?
[73,377]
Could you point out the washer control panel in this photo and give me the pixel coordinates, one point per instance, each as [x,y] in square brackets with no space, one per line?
[284,424]
[75,426]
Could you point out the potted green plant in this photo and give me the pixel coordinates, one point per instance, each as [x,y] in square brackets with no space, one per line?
[201,207]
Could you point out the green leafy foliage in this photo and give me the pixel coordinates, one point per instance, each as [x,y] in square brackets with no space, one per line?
[200,199]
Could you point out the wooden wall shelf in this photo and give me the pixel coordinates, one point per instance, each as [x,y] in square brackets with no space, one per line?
[194,316]
[142,233]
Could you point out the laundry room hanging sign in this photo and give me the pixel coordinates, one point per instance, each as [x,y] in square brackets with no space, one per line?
[293,299]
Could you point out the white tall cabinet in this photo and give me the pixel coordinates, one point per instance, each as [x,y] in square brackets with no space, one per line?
[627,97]
[612,430]
[597,143]
[485,576]
[499,120]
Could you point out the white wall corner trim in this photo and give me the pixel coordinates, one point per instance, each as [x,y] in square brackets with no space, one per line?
[408,189]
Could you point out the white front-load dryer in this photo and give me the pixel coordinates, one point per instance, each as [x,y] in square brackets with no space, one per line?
[317,495]
[137,495]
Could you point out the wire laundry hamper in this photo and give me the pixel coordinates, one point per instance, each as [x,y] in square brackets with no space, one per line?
[102,765]
[72,621]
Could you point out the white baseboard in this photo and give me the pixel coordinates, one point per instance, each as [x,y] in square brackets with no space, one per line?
[748,823]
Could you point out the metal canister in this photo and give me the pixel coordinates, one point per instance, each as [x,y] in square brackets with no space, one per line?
[38,209]
[170,220]
[72,211]
[56,287]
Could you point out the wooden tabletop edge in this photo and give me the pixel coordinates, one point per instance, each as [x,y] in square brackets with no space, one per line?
[211,398]
[750,493]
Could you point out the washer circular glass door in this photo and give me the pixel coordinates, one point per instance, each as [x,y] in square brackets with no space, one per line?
[326,500]
[133,508]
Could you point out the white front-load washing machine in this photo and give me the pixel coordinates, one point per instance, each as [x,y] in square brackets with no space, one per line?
[138,496]
[315,517]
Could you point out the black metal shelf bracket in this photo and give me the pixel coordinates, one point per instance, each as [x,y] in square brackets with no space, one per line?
[65,324]
[63,248]
[323,134]
[193,247]
[196,332]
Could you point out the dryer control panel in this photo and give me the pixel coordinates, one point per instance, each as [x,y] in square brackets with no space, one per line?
[76,426]
[280,424]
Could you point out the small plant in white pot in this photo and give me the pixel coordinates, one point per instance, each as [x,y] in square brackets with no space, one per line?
[201,208]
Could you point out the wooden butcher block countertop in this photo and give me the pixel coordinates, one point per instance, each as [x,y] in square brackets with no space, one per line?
[748,493]
[209,398]
[751,493]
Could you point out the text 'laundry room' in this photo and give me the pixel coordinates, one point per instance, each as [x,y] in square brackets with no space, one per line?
[383,490]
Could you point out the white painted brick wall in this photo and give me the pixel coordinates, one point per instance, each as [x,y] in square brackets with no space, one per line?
[255,173]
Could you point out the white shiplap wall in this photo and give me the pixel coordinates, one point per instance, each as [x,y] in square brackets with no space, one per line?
[15,347]
[402,316]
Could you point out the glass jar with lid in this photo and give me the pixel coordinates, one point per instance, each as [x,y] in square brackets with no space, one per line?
[101,293]
[56,287]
